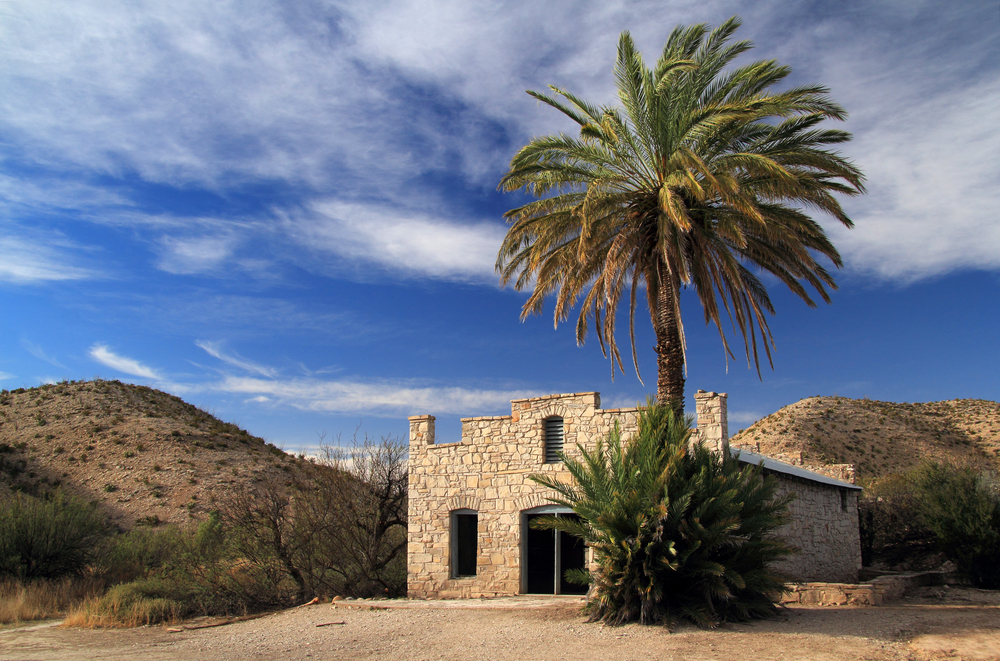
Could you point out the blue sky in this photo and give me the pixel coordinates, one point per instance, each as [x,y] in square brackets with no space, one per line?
[287,214]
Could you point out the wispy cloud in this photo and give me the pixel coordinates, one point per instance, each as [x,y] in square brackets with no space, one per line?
[27,261]
[194,255]
[925,136]
[213,349]
[102,354]
[347,396]
[744,418]
[4,376]
[412,243]
[39,353]
[334,98]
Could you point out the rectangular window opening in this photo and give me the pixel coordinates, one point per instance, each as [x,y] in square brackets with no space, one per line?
[465,542]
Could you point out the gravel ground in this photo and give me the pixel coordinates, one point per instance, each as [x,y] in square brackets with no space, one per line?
[957,625]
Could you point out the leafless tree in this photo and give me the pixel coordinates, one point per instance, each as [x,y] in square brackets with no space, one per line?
[368,492]
[336,525]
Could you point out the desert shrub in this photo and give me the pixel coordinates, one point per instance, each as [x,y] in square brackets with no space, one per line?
[961,507]
[165,574]
[678,531]
[48,538]
[893,533]
[138,553]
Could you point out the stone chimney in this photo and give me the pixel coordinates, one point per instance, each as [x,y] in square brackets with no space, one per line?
[713,421]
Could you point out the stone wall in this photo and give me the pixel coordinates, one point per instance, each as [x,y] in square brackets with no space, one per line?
[488,472]
[824,527]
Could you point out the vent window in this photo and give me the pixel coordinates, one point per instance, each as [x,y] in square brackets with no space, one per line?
[554,435]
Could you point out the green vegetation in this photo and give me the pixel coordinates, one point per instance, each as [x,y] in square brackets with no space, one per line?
[47,538]
[953,510]
[337,526]
[678,532]
[698,177]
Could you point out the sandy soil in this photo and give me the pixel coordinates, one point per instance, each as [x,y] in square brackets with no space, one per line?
[935,624]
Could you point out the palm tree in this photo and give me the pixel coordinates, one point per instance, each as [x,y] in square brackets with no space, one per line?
[699,179]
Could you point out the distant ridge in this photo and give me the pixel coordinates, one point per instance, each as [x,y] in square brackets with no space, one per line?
[879,438]
[144,455]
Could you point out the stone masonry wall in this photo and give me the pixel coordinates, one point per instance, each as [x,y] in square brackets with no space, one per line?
[488,472]
[824,526]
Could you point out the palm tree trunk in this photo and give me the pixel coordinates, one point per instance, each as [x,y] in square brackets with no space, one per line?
[669,350]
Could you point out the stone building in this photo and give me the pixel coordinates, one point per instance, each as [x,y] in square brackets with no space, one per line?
[470,502]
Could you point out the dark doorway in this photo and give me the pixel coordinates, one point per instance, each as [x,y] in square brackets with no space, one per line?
[547,555]
[466,548]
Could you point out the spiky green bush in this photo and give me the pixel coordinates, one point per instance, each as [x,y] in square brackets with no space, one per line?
[678,532]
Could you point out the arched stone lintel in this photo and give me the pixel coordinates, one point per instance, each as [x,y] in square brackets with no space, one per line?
[531,501]
[552,410]
[464,503]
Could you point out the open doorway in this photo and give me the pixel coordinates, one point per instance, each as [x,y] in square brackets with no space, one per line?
[547,554]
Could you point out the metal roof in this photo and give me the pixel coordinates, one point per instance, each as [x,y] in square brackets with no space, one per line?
[776,466]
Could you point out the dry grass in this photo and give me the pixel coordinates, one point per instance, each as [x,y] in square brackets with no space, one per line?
[40,600]
[123,607]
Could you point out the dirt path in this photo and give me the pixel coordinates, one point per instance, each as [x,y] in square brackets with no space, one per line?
[926,627]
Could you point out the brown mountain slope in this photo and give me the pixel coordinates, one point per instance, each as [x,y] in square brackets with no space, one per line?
[146,456]
[878,437]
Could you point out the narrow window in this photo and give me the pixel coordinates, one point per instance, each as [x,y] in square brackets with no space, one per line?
[843,500]
[554,434]
[464,542]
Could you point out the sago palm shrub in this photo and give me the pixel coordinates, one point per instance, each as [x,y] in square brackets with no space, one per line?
[678,532]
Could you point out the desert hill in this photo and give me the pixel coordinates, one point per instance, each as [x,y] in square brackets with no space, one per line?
[144,455]
[877,437]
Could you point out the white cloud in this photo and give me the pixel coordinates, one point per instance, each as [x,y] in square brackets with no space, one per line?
[26,261]
[213,349]
[932,171]
[337,98]
[345,396]
[925,136]
[194,255]
[744,418]
[39,353]
[413,242]
[105,356]
[195,92]
[4,376]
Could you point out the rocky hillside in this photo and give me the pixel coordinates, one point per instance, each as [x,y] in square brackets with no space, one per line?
[878,437]
[146,456]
